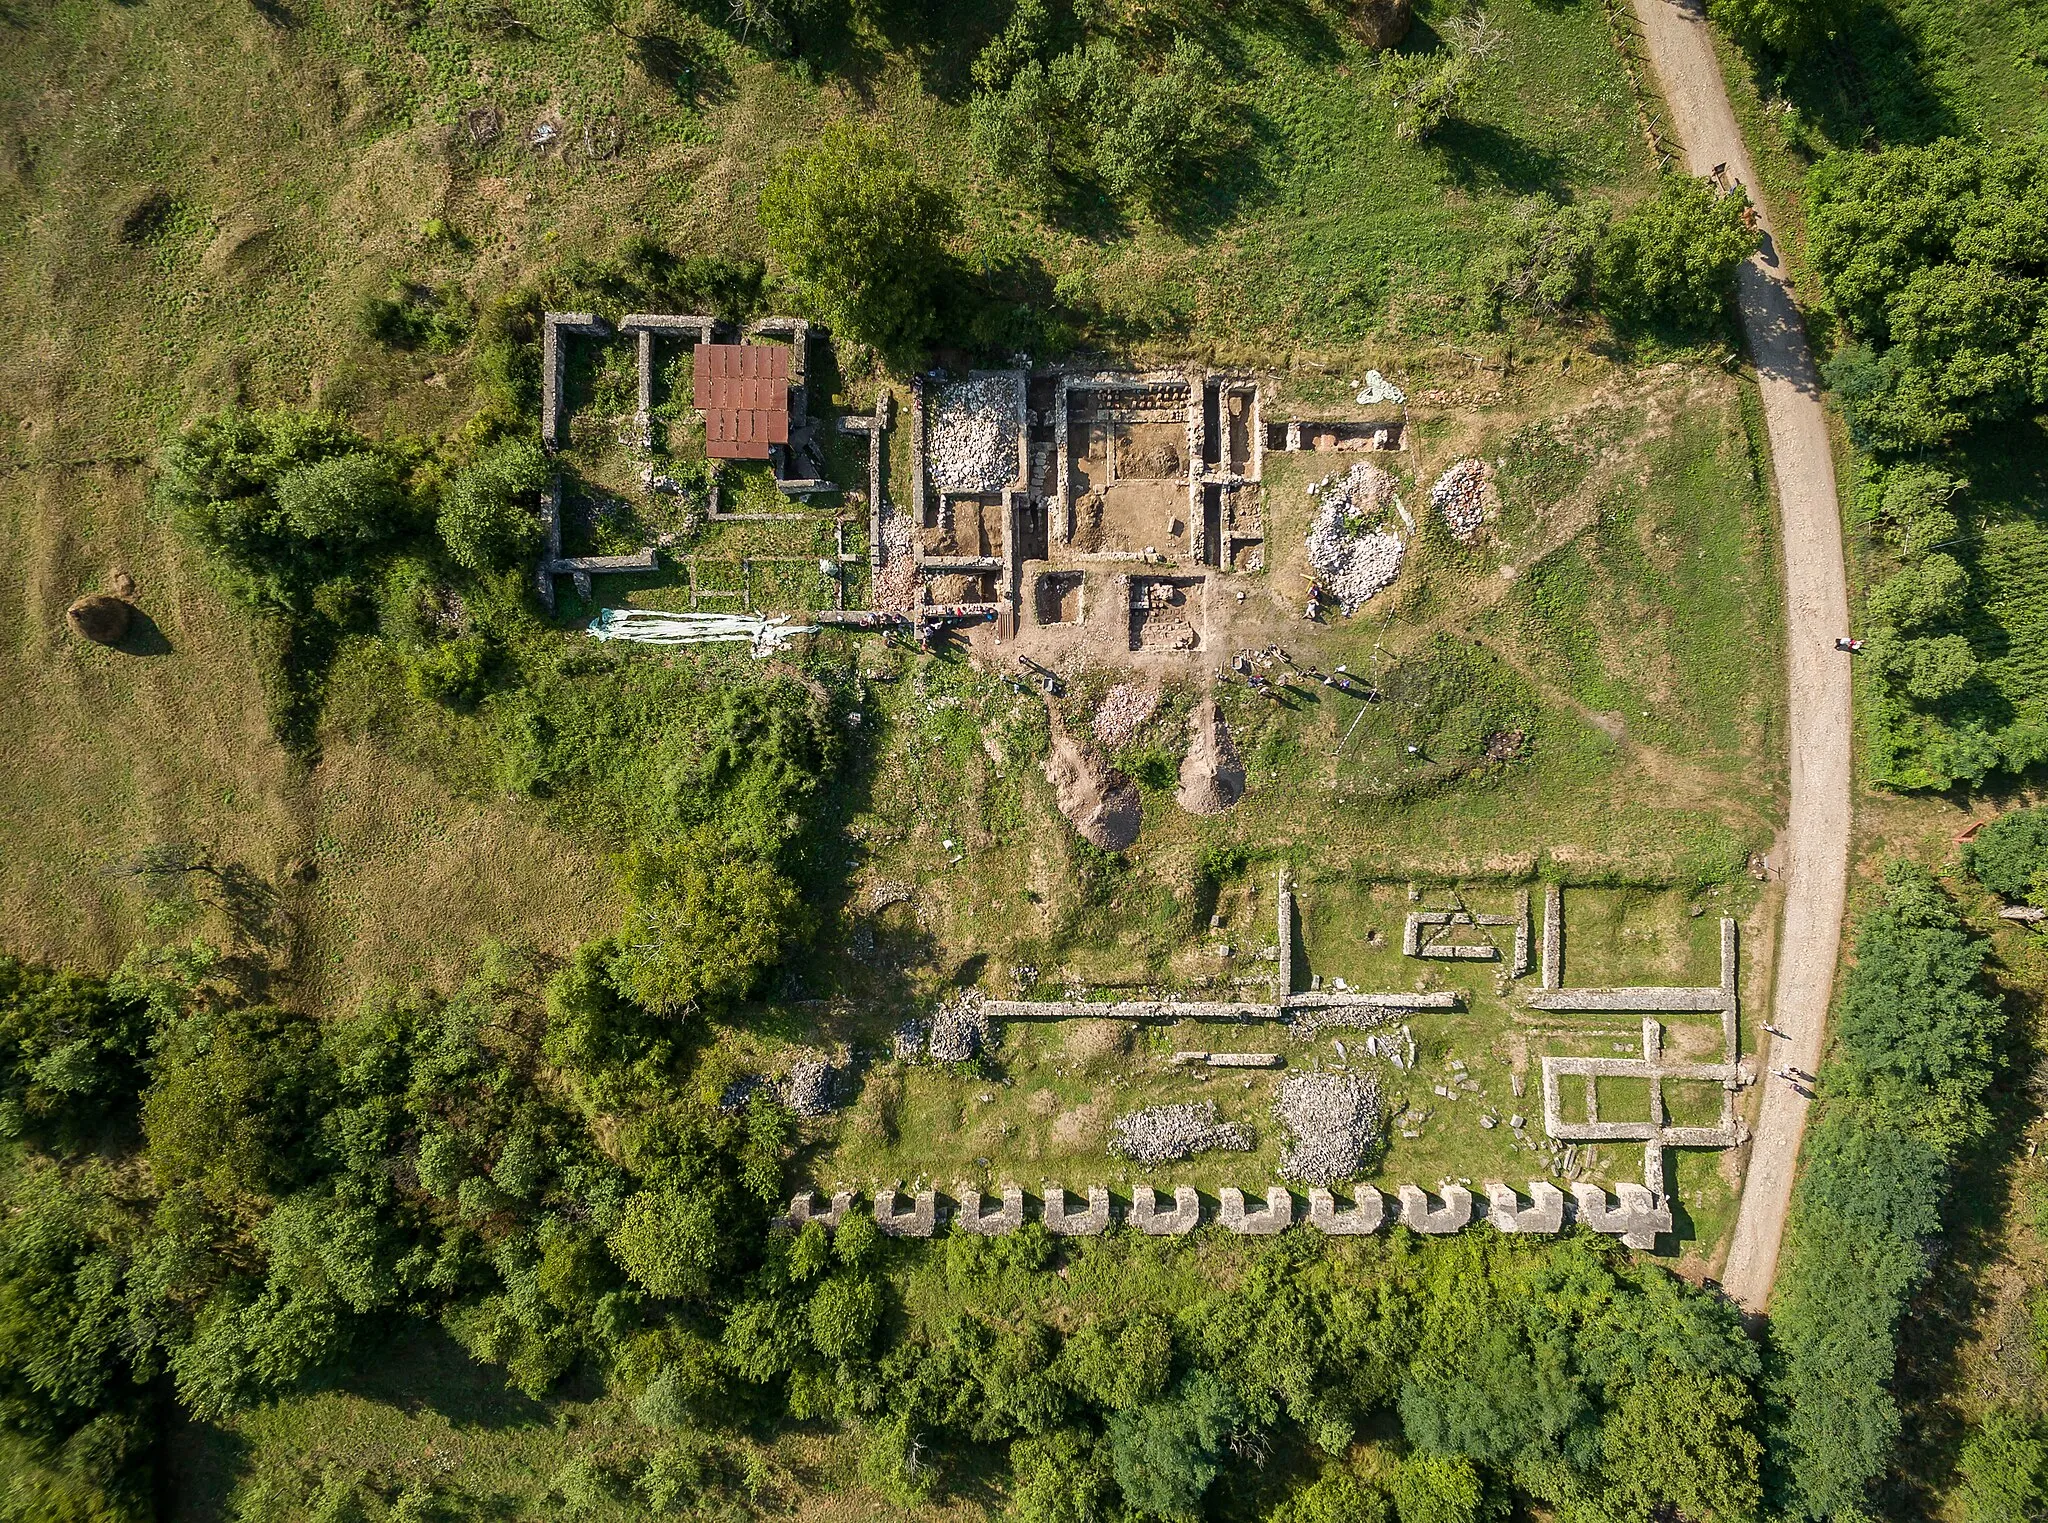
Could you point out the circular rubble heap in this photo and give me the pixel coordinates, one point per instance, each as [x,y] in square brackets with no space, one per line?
[1354,553]
[1460,495]
[971,434]
[959,1029]
[1169,1132]
[1330,1121]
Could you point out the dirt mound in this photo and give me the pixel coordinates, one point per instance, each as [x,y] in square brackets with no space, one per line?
[1211,776]
[1123,712]
[100,617]
[1100,802]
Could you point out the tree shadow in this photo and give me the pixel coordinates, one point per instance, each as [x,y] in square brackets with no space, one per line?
[692,73]
[143,638]
[415,1366]
[1867,87]
[1481,156]
[1945,1315]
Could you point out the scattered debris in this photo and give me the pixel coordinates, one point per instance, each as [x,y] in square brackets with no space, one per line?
[1168,1132]
[1123,710]
[1331,1120]
[971,434]
[1463,495]
[1353,556]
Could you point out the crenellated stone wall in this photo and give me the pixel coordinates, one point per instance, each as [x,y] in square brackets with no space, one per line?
[1638,1216]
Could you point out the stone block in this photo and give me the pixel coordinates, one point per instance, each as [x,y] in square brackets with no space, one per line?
[1089,1223]
[1454,1215]
[803,1208]
[920,1221]
[1543,1217]
[971,1217]
[1147,1218]
[1368,1212]
[1277,1216]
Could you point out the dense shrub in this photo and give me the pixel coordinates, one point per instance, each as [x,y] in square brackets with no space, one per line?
[2010,855]
[1671,259]
[1902,1095]
[71,1051]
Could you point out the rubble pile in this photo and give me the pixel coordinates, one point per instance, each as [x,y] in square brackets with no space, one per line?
[1122,711]
[809,1089]
[971,435]
[1353,553]
[1169,1132]
[896,583]
[1331,1120]
[1460,495]
[907,1041]
[959,1029]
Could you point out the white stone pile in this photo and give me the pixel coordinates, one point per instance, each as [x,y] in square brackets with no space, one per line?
[1169,1132]
[971,434]
[1460,496]
[959,1029]
[1354,551]
[907,1041]
[810,1087]
[1330,1121]
[1122,711]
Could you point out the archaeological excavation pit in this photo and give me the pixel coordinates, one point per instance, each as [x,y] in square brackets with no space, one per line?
[1166,612]
[1057,597]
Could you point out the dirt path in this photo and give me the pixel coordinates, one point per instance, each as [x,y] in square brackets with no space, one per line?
[1815,846]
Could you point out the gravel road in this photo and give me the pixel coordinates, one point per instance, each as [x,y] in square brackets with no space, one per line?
[1813,853]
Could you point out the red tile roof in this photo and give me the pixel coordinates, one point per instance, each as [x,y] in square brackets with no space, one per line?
[743,392]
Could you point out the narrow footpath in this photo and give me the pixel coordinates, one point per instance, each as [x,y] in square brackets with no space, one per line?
[1815,847]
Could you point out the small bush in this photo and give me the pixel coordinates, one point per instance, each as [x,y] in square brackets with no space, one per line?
[2010,855]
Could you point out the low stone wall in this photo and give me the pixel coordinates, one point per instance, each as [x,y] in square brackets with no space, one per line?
[1544,1217]
[920,1221]
[1061,1223]
[971,1218]
[1637,1218]
[1623,1001]
[1366,1216]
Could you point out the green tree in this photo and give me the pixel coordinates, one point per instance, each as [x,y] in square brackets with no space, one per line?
[1930,591]
[1672,258]
[1151,126]
[1679,1444]
[2005,1471]
[71,1051]
[670,1242]
[702,928]
[2010,855]
[861,235]
[1785,28]
[1164,1454]
[1423,90]
[1336,1496]
[1542,255]
[845,1312]
[486,516]
[1912,504]
[1435,1488]
[1060,1477]
[341,502]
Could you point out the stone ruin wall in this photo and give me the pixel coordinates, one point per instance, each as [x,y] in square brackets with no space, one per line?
[1636,1216]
